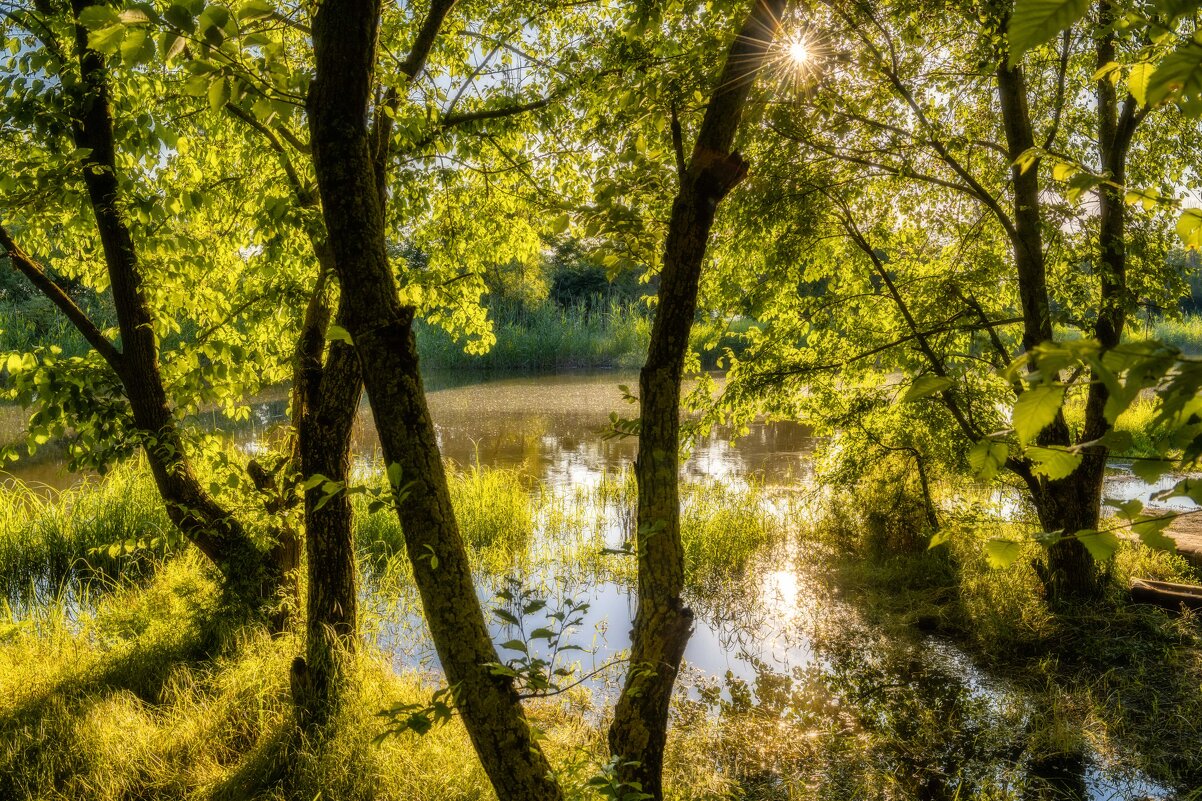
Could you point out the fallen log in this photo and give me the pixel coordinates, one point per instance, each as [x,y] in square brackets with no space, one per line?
[1166,594]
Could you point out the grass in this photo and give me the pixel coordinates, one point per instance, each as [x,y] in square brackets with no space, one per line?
[552,337]
[151,690]
[153,694]
[548,338]
[1184,332]
[49,537]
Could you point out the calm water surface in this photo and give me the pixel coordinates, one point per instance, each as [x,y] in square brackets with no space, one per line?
[777,622]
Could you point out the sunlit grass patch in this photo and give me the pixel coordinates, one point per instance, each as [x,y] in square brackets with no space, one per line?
[723,527]
[98,529]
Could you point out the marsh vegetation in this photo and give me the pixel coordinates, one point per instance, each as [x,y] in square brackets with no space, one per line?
[894,420]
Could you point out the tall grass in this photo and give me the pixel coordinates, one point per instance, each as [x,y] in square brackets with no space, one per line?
[154,695]
[101,528]
[551,337]
[36,323]
[1184,332]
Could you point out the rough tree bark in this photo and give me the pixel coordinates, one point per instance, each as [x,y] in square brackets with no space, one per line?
[325,400]
[344,39]
[326,390]
[663,623]
[1070,572]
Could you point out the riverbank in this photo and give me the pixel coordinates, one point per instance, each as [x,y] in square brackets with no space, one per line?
[831,659]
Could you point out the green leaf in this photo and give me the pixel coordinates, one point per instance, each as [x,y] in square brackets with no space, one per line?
[96,17]
[1062,171]
[1180,71]
[1035,408]
[136,15]
[1151,532]
[107,40]
[514,645]
[254,10]
[137,47]
[336,333]
[394,472]
[1117,441]
[313,481]
[1100,544]
[924,386]
[1150,470]
[508,617]
[939,538]
[987,458]
[1037,21]
[171,45]
[1053,463]
[179,16]
[1138,80]
[1002,553]
[560,223]
[1189,228]
[219,94]
[1128,510]
[215,16]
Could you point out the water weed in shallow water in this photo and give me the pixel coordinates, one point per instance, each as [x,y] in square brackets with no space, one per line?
[97,530]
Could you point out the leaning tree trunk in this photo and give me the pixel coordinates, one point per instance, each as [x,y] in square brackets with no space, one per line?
[663,623]
[250,574]
[344,39]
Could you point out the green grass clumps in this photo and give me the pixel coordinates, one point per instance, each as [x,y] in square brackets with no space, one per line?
[155,693]
[722,527]
[100,528]
[494,508]
[1183,332]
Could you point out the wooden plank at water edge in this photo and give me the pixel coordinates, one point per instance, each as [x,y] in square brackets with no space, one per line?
[1186,531]
[1166,594]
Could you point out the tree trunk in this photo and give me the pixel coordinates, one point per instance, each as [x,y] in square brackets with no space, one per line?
[1069,504]
[344,39]
[249,574]
[324,435]
[663,623]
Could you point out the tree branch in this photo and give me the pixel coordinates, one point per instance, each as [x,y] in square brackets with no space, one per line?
[304,195]
[57,295]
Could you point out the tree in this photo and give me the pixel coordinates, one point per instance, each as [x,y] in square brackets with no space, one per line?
[662,622]
[964,137]
[72,113]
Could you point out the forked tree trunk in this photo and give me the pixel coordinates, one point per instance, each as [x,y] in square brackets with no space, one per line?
[1070,574]
[1073,503]
[344,39]
[663,623]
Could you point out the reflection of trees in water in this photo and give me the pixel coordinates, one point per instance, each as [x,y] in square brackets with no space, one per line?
[878,717]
